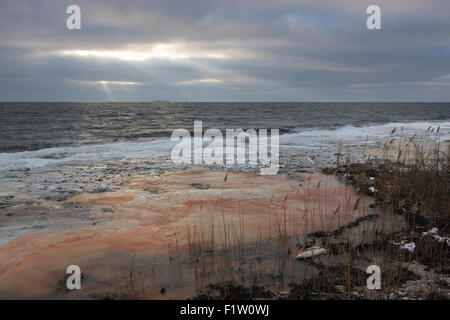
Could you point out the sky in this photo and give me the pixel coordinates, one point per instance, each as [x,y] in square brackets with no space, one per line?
[227,50]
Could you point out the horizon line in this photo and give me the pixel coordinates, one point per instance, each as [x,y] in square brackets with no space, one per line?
[222,101]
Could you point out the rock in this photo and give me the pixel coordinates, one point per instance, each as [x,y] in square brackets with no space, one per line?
[318,234]
[409,246]
[311,252]
[201,185]
[108,209]
[282,294]
[257,258]
[100,189]
[401,293]
[57,197]
[446,280]
[340,289]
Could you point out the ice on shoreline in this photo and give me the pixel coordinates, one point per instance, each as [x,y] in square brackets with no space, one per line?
[317,146]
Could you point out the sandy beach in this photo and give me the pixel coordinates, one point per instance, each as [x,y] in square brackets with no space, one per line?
[149,229]
[150,213]
[156,222]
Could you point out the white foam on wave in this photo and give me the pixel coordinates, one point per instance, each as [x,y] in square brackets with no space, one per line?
[311,138]
[88,153]
[305,139]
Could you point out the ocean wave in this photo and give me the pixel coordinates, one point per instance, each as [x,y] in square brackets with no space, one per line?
[357,135]
[87,153]
[147,149]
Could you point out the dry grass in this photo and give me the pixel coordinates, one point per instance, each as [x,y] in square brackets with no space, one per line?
[415,185]
[222,261]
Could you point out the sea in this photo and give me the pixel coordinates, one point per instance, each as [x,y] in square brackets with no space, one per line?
[36,135]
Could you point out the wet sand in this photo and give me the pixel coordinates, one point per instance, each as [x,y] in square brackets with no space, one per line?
[147,221]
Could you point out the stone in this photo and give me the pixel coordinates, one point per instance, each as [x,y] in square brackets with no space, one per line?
[340,289]
[100,189]
[311,252]
[201,185]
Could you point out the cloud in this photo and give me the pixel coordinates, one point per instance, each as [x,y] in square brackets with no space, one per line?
[195,81]
[224,50]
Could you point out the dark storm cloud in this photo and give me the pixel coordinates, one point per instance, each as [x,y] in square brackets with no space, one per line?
[282,50]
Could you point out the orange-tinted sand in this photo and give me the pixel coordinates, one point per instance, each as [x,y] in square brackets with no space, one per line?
[153,211]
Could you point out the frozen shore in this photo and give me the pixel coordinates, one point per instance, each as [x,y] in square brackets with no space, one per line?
[92,215]
[171,224]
